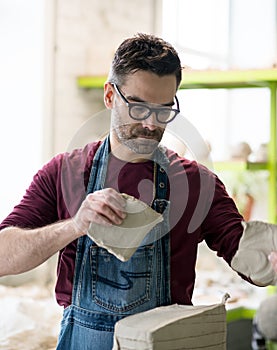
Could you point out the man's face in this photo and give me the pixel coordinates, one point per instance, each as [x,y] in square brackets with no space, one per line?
[133,134]
[143,89]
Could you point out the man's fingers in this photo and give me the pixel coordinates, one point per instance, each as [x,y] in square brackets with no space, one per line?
[104,207]
[109,196]
[109,199]
[109,214]
[107,203]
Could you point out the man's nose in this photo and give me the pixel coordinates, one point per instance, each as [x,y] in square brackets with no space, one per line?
[150,122]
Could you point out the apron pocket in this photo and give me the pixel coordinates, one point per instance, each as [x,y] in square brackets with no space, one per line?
[121,286]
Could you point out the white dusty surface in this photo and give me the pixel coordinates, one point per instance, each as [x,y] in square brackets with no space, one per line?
[30,318]
[214,278]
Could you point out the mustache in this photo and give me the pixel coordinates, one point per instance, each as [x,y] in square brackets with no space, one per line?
[138,131]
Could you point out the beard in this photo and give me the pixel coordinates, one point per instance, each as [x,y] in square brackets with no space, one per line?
[135,137]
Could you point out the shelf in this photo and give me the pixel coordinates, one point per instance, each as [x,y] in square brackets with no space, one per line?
[239,166]
[193,79]
[209,79]
[91,82]
[239,313]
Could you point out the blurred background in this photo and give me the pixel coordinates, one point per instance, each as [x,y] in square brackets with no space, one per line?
[47,44]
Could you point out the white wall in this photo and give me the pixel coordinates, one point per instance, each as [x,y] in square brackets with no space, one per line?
[87,35]
[253,33]
[21,96]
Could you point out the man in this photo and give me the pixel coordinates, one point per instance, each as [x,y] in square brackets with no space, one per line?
[82,190]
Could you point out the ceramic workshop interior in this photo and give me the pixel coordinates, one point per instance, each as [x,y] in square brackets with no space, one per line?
[56,57]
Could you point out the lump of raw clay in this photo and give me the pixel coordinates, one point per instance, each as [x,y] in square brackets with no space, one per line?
[173,327]
[123,240]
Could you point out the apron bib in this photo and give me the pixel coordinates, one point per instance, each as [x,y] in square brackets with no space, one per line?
[106,289]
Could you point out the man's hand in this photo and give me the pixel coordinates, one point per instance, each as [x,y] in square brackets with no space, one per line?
[259,239]
[104,207]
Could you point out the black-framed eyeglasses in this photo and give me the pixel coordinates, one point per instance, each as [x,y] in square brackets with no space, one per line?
[142,111]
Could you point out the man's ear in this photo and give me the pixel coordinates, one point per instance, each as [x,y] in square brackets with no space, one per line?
[108,95]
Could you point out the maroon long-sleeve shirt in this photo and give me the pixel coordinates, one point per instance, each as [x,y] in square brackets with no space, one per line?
[200,209]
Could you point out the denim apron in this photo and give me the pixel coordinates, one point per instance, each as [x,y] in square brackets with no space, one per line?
[106,289]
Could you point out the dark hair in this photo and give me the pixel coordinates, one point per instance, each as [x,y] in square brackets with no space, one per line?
[145,52]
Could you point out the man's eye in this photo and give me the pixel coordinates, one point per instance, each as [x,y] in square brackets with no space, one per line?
[140,109]
[164,112]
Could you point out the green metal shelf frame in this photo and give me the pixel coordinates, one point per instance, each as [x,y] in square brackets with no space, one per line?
[239,166]
[240,313]
[231,79]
